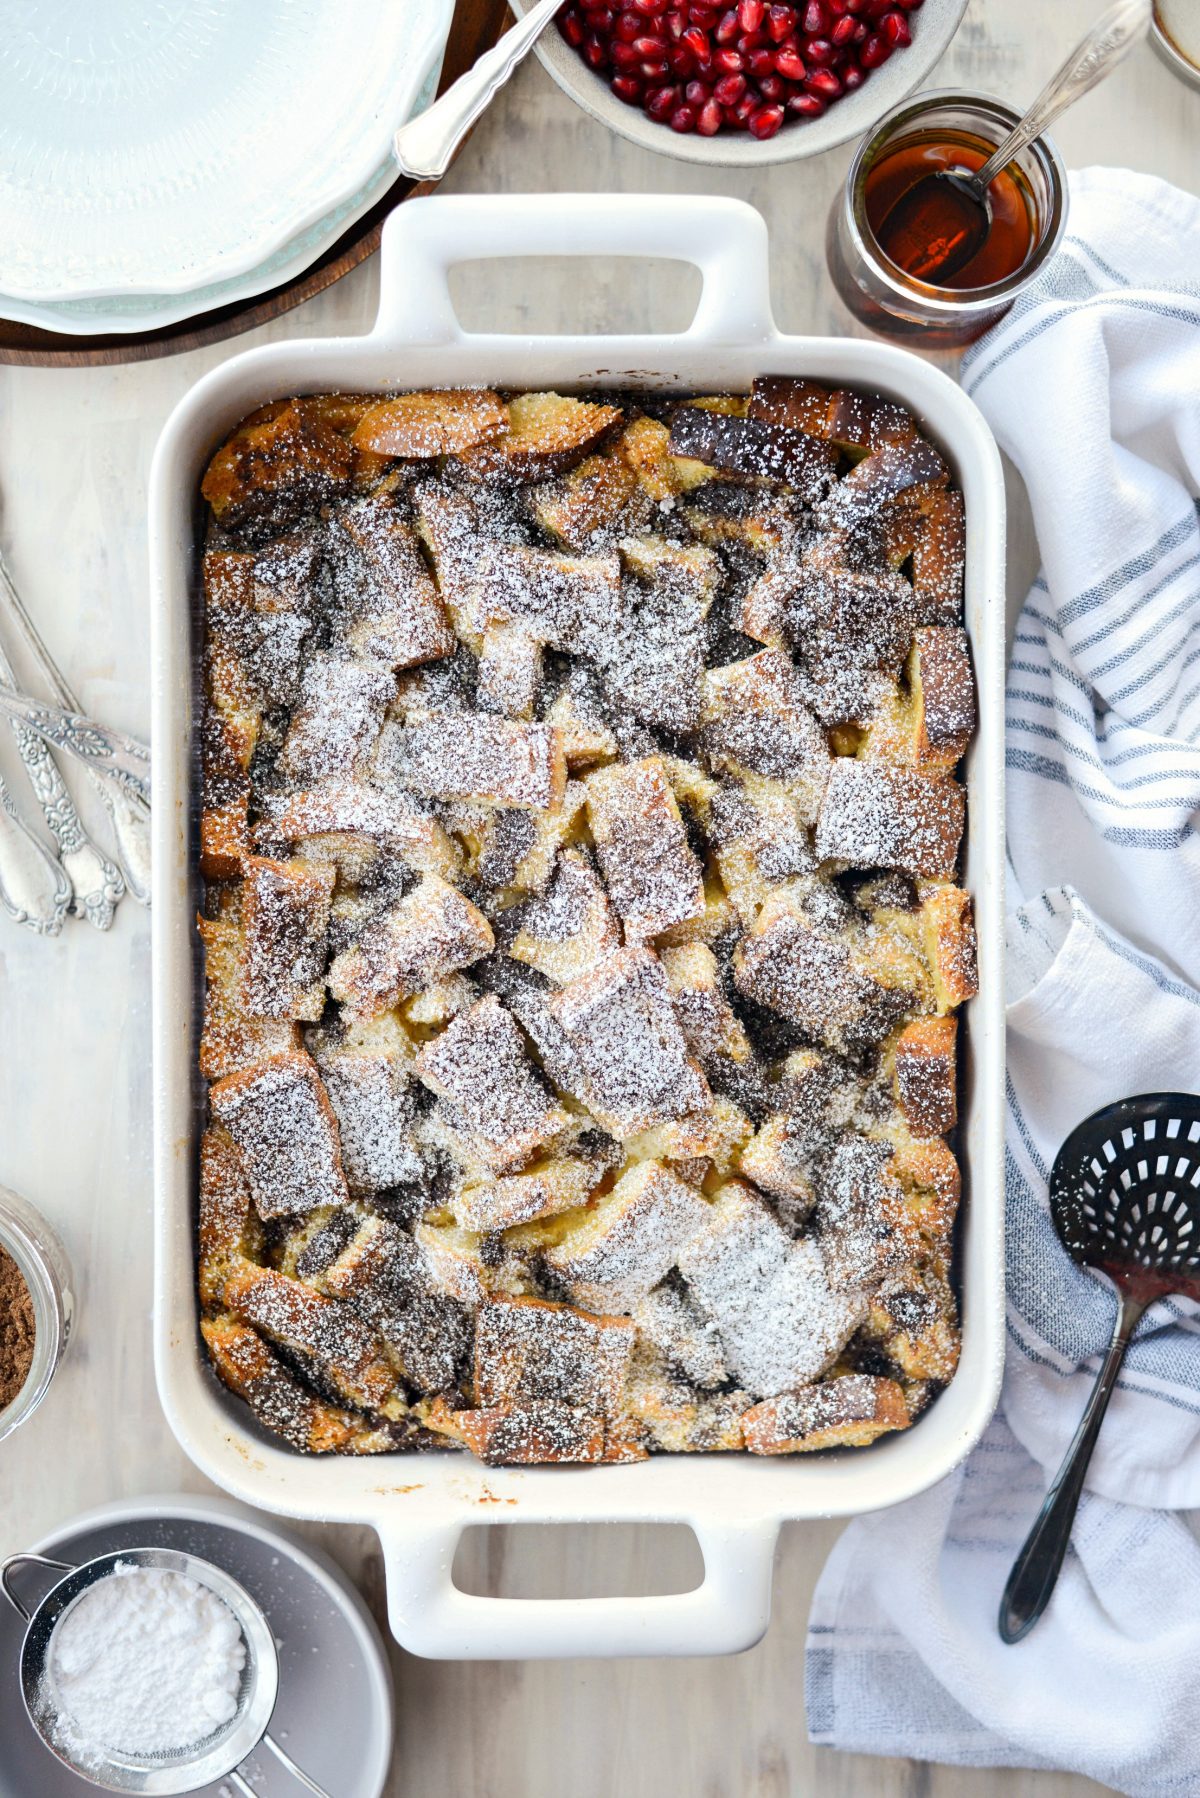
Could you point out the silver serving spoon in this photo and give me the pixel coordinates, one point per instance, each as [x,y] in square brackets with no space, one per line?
[34,889]
[425,146]
[1125,1199]
[128,815]
[119,758]
[943,220]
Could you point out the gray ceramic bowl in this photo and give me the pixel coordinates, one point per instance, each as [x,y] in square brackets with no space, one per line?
[933,25]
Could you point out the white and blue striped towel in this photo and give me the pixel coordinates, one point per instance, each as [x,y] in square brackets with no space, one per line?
[1092,386]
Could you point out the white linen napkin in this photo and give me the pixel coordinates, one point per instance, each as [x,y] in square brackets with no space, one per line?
[1092,386]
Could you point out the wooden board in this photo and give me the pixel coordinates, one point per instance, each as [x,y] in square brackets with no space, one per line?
[476,27]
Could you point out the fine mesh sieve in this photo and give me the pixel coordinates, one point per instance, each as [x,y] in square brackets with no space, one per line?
[218,1756]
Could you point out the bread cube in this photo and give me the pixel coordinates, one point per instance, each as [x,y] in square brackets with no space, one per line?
[225,1215]
[480,1069]
[522,1435]
[439,423]
[848,1412]
[547,434]
[339,716]
[772,1160]
[753,719]
[392,610]
[697,1145]
[344,1349]
[710,1025]
[615,1251]
[758,840]
[510,672]
[600,496]
[572,926]
[771,1299]
[473,756]
[285,915]
[381,1274]
[682,1334]
[277,464]
[929,723]
[923,1075]
[531,1351]
[653,878]
[913,1317]
[372,1100]
[248,1367]
[343,820]
[877,815]
[545,1189]
[827,981]
[747,446]
[631,1065]
[938,557]
[786,400]
[676,1419]
[278,1113]
[431,933]
[229,1039]
[865,1226]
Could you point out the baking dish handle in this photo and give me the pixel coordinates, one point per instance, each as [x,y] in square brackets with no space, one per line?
[725,239]
[727,1612]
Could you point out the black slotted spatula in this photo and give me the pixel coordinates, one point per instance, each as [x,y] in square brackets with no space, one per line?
[1125,1199]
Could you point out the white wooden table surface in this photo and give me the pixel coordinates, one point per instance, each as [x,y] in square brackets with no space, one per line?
[74,1014]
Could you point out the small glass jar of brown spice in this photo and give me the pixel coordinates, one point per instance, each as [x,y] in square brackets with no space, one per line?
[36,1308]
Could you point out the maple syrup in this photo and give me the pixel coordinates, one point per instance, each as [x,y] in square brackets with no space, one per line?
[1013,229]
[911,143]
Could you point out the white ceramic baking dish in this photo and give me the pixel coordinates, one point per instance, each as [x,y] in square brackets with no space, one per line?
[420,1504]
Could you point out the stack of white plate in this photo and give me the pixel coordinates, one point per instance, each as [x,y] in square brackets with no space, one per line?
[159,158]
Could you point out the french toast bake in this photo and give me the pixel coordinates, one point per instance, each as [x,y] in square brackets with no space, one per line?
[582,938]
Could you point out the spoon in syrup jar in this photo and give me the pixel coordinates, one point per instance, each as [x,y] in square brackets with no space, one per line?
[943,220]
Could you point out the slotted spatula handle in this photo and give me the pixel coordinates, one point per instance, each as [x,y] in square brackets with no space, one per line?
[1036,1569]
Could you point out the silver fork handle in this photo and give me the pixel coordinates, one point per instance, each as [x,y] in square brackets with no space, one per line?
[34,889]
[424,147]
[96,881]
[110,752]
[1112,37]
[128,813]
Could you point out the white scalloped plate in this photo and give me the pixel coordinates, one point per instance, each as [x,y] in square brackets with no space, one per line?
[161,147]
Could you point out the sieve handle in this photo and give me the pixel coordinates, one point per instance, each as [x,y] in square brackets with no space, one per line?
[6,1585]
[309,1784]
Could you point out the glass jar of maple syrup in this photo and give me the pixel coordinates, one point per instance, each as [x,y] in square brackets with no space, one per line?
[1029,211]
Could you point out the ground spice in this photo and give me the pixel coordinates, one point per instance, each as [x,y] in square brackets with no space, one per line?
[16,1330]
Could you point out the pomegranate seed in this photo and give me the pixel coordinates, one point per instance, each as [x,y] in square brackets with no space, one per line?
[874,52]
[624,57]
[910,5]
[661,102]
[824,83]
[709,119]
[729,62]
[727,28]
[704,16]
[600,20]
[781,22]
[818,50]
[836,8]
[843,31]
[729,89]
[806,106]
[646,46]
[681,60]
[766,122]
[655,69]
[595,52]
[629,26]
[627,88]
[750,40]
[894,27]
[649,9]
[751,14]
[815,21]
[772,88]
[853,77]
[571,26]
[860,32]
[697,93]
[696,41]
[760,62]
[675,23]
[683,119]
[856,6]
[790,64]
[746,107]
